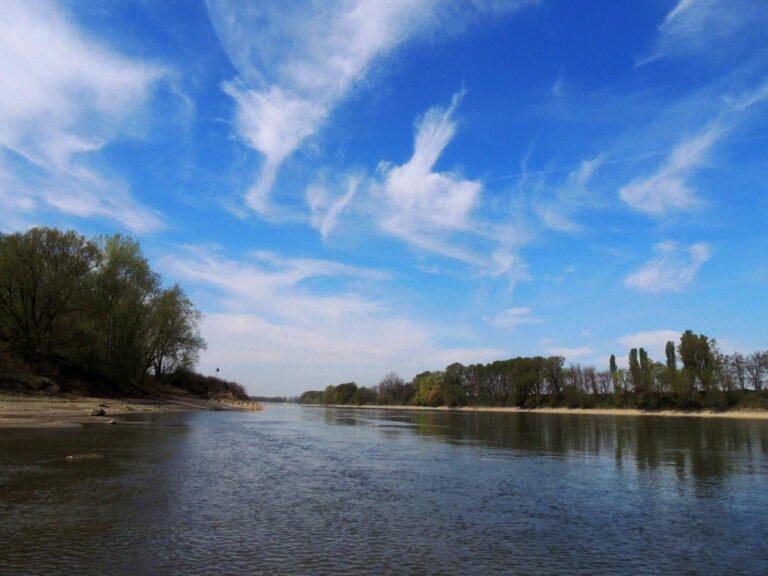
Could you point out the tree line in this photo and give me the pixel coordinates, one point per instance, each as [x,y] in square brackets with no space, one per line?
[93,309]
[693,375]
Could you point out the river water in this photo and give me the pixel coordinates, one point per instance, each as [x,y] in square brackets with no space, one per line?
[294,490]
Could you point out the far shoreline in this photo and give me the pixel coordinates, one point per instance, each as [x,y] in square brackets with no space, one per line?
[732,414]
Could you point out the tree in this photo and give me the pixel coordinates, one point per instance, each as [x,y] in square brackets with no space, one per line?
[125,288]
[173,334]
[45,277]
[737,367]
[757,366]
[671,357]
[428,388]
[646,372]
[553,372]
[698,354]
[634,370]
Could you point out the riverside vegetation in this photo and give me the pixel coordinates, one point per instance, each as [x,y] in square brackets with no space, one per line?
[92,317]
[694,376]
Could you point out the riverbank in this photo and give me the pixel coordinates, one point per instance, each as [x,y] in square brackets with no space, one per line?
[32,411]
[739,414]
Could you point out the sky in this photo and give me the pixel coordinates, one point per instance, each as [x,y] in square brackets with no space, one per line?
[351,187]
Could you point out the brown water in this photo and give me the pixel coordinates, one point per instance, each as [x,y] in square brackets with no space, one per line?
[342,491]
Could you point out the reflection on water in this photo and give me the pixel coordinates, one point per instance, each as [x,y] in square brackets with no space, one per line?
[699,446]
[343,491]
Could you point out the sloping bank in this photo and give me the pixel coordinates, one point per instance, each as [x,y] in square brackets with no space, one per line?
[29,411]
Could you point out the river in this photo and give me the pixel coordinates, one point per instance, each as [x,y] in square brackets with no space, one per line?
[299,490]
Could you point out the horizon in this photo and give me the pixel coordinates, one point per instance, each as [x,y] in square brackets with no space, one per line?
[368,186]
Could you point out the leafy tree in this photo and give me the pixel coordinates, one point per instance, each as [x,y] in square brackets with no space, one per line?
[634,370]
[125,288]
[345,392]
[311,397]
[45,276]
[698,354]
[553,371]
[173,335]
[671,357]
[428,388]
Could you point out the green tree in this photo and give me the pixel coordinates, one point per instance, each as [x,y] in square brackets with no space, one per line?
[698,354]
[173,339]
[634,370]
[329,395]
[428,388]
[553,373]
[125,289]
[671,356]
[45,277]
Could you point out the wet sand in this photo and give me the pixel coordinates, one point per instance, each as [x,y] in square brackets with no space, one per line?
[23,411]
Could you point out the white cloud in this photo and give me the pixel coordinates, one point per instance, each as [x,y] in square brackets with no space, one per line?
[297,59]
[421,203]
[672,270]
[668,189]
[694,26]
[434,211]
[326,210]
[275,123]
[513,317]
[747,99]
[556,213]
[654,342]
[569,352]
[62,98]
[268,317]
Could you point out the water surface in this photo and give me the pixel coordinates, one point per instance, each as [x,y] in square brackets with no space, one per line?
[296,490]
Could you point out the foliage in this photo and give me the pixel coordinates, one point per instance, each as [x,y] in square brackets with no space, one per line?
[707,380]
[92,308]
[311,397]
[206,386]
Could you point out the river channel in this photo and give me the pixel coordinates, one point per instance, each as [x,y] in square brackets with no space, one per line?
[301,490]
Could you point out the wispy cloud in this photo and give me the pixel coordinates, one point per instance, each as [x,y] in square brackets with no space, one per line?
[672,270]
[63,98]
[654,342]
[569,352]
[422,204]
[556,213]
[694,26]
[326,210]
[513,317]
[296,60]
[298,313]
[668,189]
[431,210]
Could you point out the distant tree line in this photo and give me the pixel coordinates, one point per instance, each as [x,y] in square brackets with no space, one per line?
[94,310]
[694,374]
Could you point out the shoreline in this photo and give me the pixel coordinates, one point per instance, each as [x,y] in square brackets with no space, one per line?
[29,411]
[734,414]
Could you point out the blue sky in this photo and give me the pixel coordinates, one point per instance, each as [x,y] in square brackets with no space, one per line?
[351,187]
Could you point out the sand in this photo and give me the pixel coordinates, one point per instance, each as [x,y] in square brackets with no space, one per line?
[26,411]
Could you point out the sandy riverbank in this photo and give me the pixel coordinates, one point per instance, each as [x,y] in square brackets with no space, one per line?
[26,411]
[742,414]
